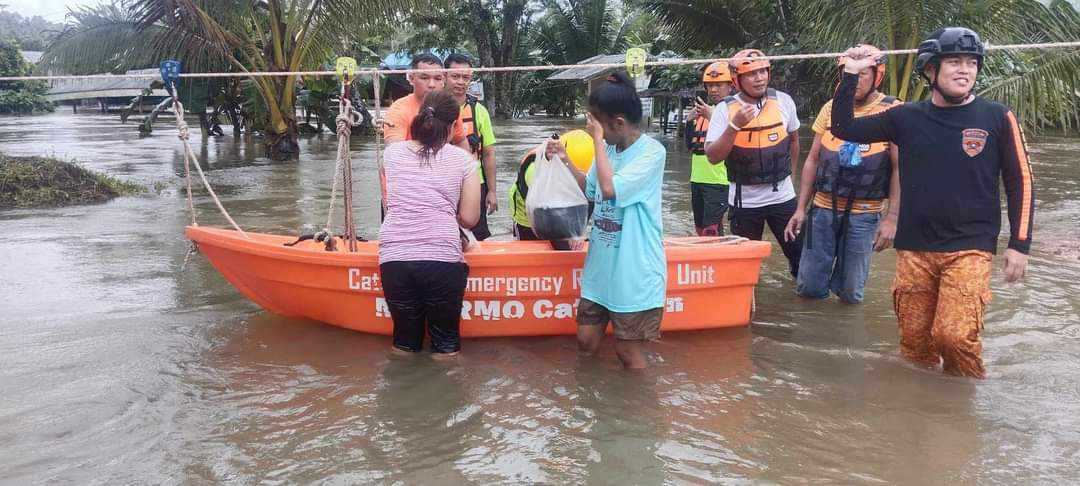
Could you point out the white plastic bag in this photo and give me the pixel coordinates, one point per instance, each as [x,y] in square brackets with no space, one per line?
[556,207]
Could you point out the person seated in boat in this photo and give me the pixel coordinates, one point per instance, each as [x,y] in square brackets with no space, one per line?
[432,188]
[480,134]
[579,150]
[625,275]
[426,75]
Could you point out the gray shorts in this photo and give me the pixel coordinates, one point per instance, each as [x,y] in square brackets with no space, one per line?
[629,326]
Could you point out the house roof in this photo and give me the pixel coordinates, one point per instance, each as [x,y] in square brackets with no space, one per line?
[586,72]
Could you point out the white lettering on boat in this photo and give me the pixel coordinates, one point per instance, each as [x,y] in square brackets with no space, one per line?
[359,281]
[688,274]
[512,286]
[576,277]
[546,309]
[381,308]
[497,310]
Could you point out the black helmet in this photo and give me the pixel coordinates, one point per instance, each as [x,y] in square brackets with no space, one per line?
[946,41]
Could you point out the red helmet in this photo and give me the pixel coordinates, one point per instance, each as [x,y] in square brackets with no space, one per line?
[877,56]
[744,62]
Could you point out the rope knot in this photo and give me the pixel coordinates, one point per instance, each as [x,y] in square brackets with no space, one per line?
[182,128]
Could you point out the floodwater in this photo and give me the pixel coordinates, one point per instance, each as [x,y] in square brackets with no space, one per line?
[119,364]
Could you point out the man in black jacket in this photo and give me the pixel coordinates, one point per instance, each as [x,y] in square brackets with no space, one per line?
[954,150]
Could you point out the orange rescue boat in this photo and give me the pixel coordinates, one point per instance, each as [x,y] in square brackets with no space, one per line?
[515,288]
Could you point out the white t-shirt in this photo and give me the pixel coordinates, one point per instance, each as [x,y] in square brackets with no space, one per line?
[757,195]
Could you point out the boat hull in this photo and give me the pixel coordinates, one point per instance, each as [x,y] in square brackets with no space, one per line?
[515,288]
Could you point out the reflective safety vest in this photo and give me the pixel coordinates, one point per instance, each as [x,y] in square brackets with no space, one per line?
[761,153]
[701,170]
[520,190]
[868,180]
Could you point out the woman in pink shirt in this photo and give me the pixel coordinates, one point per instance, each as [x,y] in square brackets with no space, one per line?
[432,189]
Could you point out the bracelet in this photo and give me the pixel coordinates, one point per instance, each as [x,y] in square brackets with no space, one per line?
[731,123]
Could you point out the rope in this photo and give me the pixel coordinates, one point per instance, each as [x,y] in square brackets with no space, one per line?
[552,67]
[379,140]
[189,154]
[346,119]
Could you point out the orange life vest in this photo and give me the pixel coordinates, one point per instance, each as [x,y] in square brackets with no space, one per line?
[762,150]
[868,180]
[697,135]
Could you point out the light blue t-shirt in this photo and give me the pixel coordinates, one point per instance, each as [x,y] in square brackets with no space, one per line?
[626,268]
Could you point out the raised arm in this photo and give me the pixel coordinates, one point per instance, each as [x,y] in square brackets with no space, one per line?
[867,129]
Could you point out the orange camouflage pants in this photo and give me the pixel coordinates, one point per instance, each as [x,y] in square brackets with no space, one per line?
[939,300]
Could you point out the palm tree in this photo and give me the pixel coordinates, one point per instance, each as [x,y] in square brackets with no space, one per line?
[1031,83]
[244,36]
[567,32]
[573,30]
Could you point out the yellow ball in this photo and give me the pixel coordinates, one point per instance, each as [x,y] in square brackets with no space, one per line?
[580,148]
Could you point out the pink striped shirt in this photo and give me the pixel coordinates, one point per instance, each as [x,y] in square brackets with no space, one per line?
[422,201]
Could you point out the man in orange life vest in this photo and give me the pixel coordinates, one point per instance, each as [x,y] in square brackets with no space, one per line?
[756,133]
[476,122]
[708,182]
[956,150]
[849,184]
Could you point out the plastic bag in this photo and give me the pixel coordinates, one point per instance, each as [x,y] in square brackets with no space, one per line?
[850,155]
[556,207]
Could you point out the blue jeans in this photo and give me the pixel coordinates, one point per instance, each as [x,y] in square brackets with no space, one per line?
[822,269]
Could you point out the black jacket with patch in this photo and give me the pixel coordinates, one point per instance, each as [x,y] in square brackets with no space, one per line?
[951,161]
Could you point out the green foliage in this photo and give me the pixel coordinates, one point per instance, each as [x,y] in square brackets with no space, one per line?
[209,35]
[19,97]
[32,33]
[1039,85]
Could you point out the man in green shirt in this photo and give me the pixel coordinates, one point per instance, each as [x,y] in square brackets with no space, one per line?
[479,132]
[708,182]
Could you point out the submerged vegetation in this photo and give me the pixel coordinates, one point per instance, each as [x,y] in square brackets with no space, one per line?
[30,182]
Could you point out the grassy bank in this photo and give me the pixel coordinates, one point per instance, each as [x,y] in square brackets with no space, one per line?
[33,182]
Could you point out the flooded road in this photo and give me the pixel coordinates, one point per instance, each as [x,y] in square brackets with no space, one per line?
[118,364]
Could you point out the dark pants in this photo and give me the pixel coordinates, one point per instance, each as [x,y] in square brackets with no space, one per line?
[481,230]
[750,223]
[425,294]
[709,203]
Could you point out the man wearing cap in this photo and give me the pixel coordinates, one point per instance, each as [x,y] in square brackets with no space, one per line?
[956,149]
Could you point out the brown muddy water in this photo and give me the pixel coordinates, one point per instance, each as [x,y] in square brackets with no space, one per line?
[119,366]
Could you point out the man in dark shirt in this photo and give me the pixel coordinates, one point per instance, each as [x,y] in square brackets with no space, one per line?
[954,150]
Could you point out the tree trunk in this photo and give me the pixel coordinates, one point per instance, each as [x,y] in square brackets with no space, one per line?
[282,133]
[147,125]
[284,145]
[497,51]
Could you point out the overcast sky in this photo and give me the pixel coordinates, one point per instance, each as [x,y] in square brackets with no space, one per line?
[53,10]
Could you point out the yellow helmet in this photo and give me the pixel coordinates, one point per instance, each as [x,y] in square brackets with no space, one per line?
[580,148]
[716,72]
